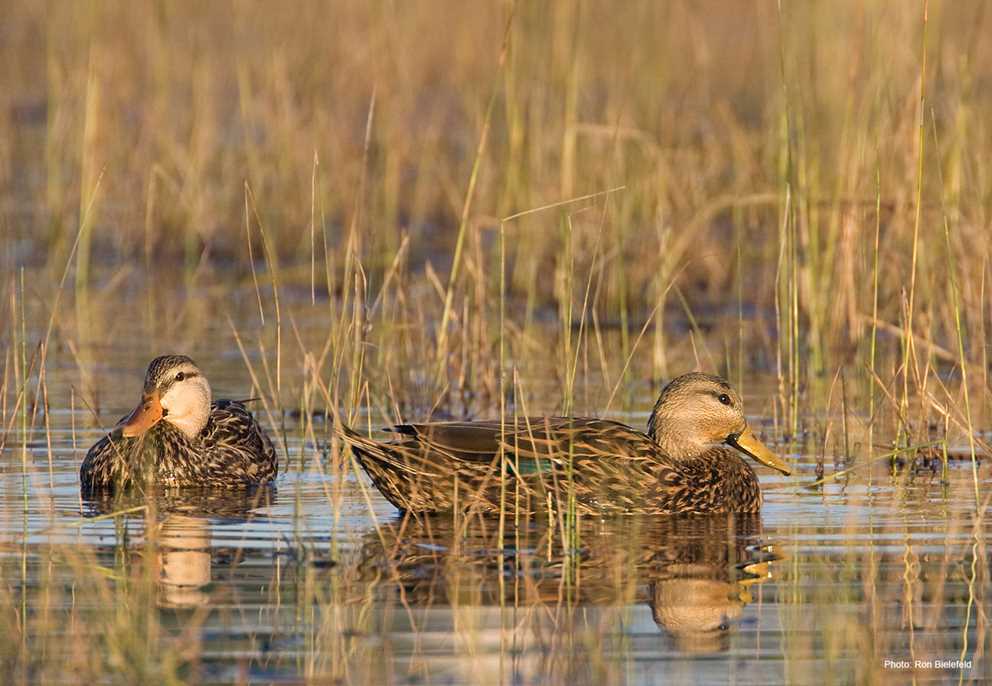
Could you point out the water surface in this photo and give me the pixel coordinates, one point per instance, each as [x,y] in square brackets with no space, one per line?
[320,580]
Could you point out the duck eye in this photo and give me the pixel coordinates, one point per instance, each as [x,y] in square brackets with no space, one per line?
[724,398]
[180,376]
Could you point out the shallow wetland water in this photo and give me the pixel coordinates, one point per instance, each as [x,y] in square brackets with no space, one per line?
[320,580]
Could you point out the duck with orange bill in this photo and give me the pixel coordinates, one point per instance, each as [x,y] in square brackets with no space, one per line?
[178,436]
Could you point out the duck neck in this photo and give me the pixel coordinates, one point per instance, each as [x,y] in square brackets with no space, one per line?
[679,446]
[191,424]
[678,440]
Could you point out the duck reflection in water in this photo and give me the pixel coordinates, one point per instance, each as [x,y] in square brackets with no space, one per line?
[703,580]
[695,572]
[183,561]
[180,546]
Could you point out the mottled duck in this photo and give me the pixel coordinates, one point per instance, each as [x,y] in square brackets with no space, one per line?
[177,437]
[690,460]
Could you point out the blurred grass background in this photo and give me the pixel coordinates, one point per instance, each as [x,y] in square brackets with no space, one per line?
[757,149]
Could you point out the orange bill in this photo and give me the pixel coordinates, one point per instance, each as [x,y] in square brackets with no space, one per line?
[146,415]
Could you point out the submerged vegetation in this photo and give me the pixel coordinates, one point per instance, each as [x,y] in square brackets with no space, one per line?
[403,211]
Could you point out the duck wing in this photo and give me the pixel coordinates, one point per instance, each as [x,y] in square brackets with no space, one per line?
[235,444]
[531,439]
[469,441]
[609,465]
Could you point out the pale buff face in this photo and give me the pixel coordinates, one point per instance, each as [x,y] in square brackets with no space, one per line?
[175,391]
[185,399]
[698,411]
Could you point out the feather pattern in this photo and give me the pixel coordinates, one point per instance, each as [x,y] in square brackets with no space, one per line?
[177,438]
[539,463]
[232,450]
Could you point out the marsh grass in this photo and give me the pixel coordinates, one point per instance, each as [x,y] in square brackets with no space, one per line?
[412,210]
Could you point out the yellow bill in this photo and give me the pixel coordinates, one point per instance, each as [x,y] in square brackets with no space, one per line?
[748,443]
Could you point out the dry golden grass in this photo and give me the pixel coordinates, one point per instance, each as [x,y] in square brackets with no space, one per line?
[706,114]
[495,204]
[752,146]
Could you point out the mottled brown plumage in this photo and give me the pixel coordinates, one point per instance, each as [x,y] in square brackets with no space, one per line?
[689,461]
[178,438]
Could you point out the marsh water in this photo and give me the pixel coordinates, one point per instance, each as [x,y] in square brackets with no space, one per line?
[878,576]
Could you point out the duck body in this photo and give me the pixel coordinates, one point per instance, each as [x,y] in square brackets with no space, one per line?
[689,461]
[177,437]
[607,467]
[232,450]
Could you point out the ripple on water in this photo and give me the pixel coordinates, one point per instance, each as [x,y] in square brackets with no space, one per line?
[320,578]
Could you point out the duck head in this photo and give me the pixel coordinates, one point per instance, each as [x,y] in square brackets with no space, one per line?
[175,391]
[697,411]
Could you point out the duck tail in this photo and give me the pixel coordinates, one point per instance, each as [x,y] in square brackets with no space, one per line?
[375,456]
[351,437]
